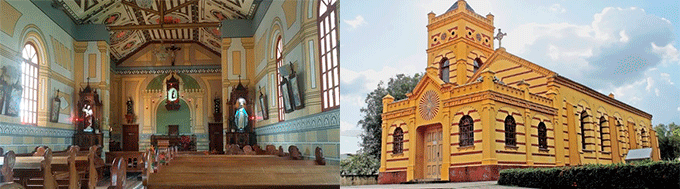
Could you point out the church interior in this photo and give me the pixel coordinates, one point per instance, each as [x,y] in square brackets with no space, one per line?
[479,109]
[159,88]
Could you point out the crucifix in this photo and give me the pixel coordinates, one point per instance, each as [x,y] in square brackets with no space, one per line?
[174,49]
[499,36]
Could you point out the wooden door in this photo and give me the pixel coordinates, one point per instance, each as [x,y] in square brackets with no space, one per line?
[216,137]
[433,156]
[130,138]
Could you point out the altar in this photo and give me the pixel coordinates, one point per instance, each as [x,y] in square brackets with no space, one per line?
[184,142]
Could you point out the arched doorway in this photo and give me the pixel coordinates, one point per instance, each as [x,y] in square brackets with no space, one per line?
[165,117]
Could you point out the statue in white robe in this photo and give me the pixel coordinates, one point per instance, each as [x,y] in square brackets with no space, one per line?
[241,116]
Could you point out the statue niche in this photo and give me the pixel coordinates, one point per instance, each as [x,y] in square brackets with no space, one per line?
[88,120]
[240,127]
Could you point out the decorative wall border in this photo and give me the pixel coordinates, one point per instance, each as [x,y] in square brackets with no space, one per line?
[167,69]
[320,121]
[30,130]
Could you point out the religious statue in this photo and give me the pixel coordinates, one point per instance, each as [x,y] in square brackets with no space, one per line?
[241,116]
[129,104]
[87,110]
[130,116]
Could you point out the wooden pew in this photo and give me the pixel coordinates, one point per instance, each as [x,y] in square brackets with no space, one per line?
[271,150]
[6,173]
[248,150]
[318,153]
[135,160]
[243,171]
[118,173]
[42,177]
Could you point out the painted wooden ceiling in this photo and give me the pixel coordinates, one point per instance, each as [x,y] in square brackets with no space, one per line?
[124,43]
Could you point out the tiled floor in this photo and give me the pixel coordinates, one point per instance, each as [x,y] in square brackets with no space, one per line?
[134,181]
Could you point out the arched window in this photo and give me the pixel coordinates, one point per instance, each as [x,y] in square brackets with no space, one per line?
[602,121]
[279,63]
[478,63]
[584,115]
[542,136]
[329,53]
[643,137]
[398,141]
[29,84]
[444,70]
[467,134]
[510,133]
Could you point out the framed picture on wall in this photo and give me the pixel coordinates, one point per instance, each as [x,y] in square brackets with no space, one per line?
[14,100]
[285,90]
[56,106]
[3,94]
[263,105]
[296,99]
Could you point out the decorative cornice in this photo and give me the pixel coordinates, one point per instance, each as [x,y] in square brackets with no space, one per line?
[590,92]
[167,69]
[320,121]
[30,130]
[399,113]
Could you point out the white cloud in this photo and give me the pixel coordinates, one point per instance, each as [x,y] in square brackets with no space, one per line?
[350,130]
[658,98]
[624,37]
[615,48]
[557,8]
[668,52]
[358,21]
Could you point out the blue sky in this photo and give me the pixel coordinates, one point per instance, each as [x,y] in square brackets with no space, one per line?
[628,48]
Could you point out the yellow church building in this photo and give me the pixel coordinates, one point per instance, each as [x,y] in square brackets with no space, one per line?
[478,110]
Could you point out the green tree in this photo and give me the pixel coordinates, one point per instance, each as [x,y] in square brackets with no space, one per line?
[398,87]
[360,164]
[669,140]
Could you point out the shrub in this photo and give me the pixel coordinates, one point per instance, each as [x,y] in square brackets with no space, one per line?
[662,174]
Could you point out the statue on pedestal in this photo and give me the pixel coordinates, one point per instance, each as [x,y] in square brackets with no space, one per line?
[241,116]
[130,116]
[87,110]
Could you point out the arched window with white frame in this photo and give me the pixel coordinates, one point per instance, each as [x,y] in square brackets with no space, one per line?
[329,53]
[279,63]
[29,84]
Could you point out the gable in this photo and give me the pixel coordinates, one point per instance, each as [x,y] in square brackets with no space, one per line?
[430,80]
[511,69]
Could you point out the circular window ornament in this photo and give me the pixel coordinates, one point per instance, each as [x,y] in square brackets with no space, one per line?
[479,37]
[429,105]
[443,36]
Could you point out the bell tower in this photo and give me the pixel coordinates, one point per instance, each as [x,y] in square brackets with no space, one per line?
[459,42]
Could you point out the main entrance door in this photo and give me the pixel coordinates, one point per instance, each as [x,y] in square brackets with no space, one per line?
[433,155]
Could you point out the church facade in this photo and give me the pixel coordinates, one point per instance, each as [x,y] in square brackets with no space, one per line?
[478,110]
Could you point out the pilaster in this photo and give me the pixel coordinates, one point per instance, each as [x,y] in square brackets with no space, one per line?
[414,141]
[527,136]
[614,138]
[383,149]
[446,148]
[226,43]
[555,95]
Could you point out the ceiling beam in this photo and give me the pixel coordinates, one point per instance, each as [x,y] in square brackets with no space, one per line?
[140,8]
[165,26]
[173,9]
